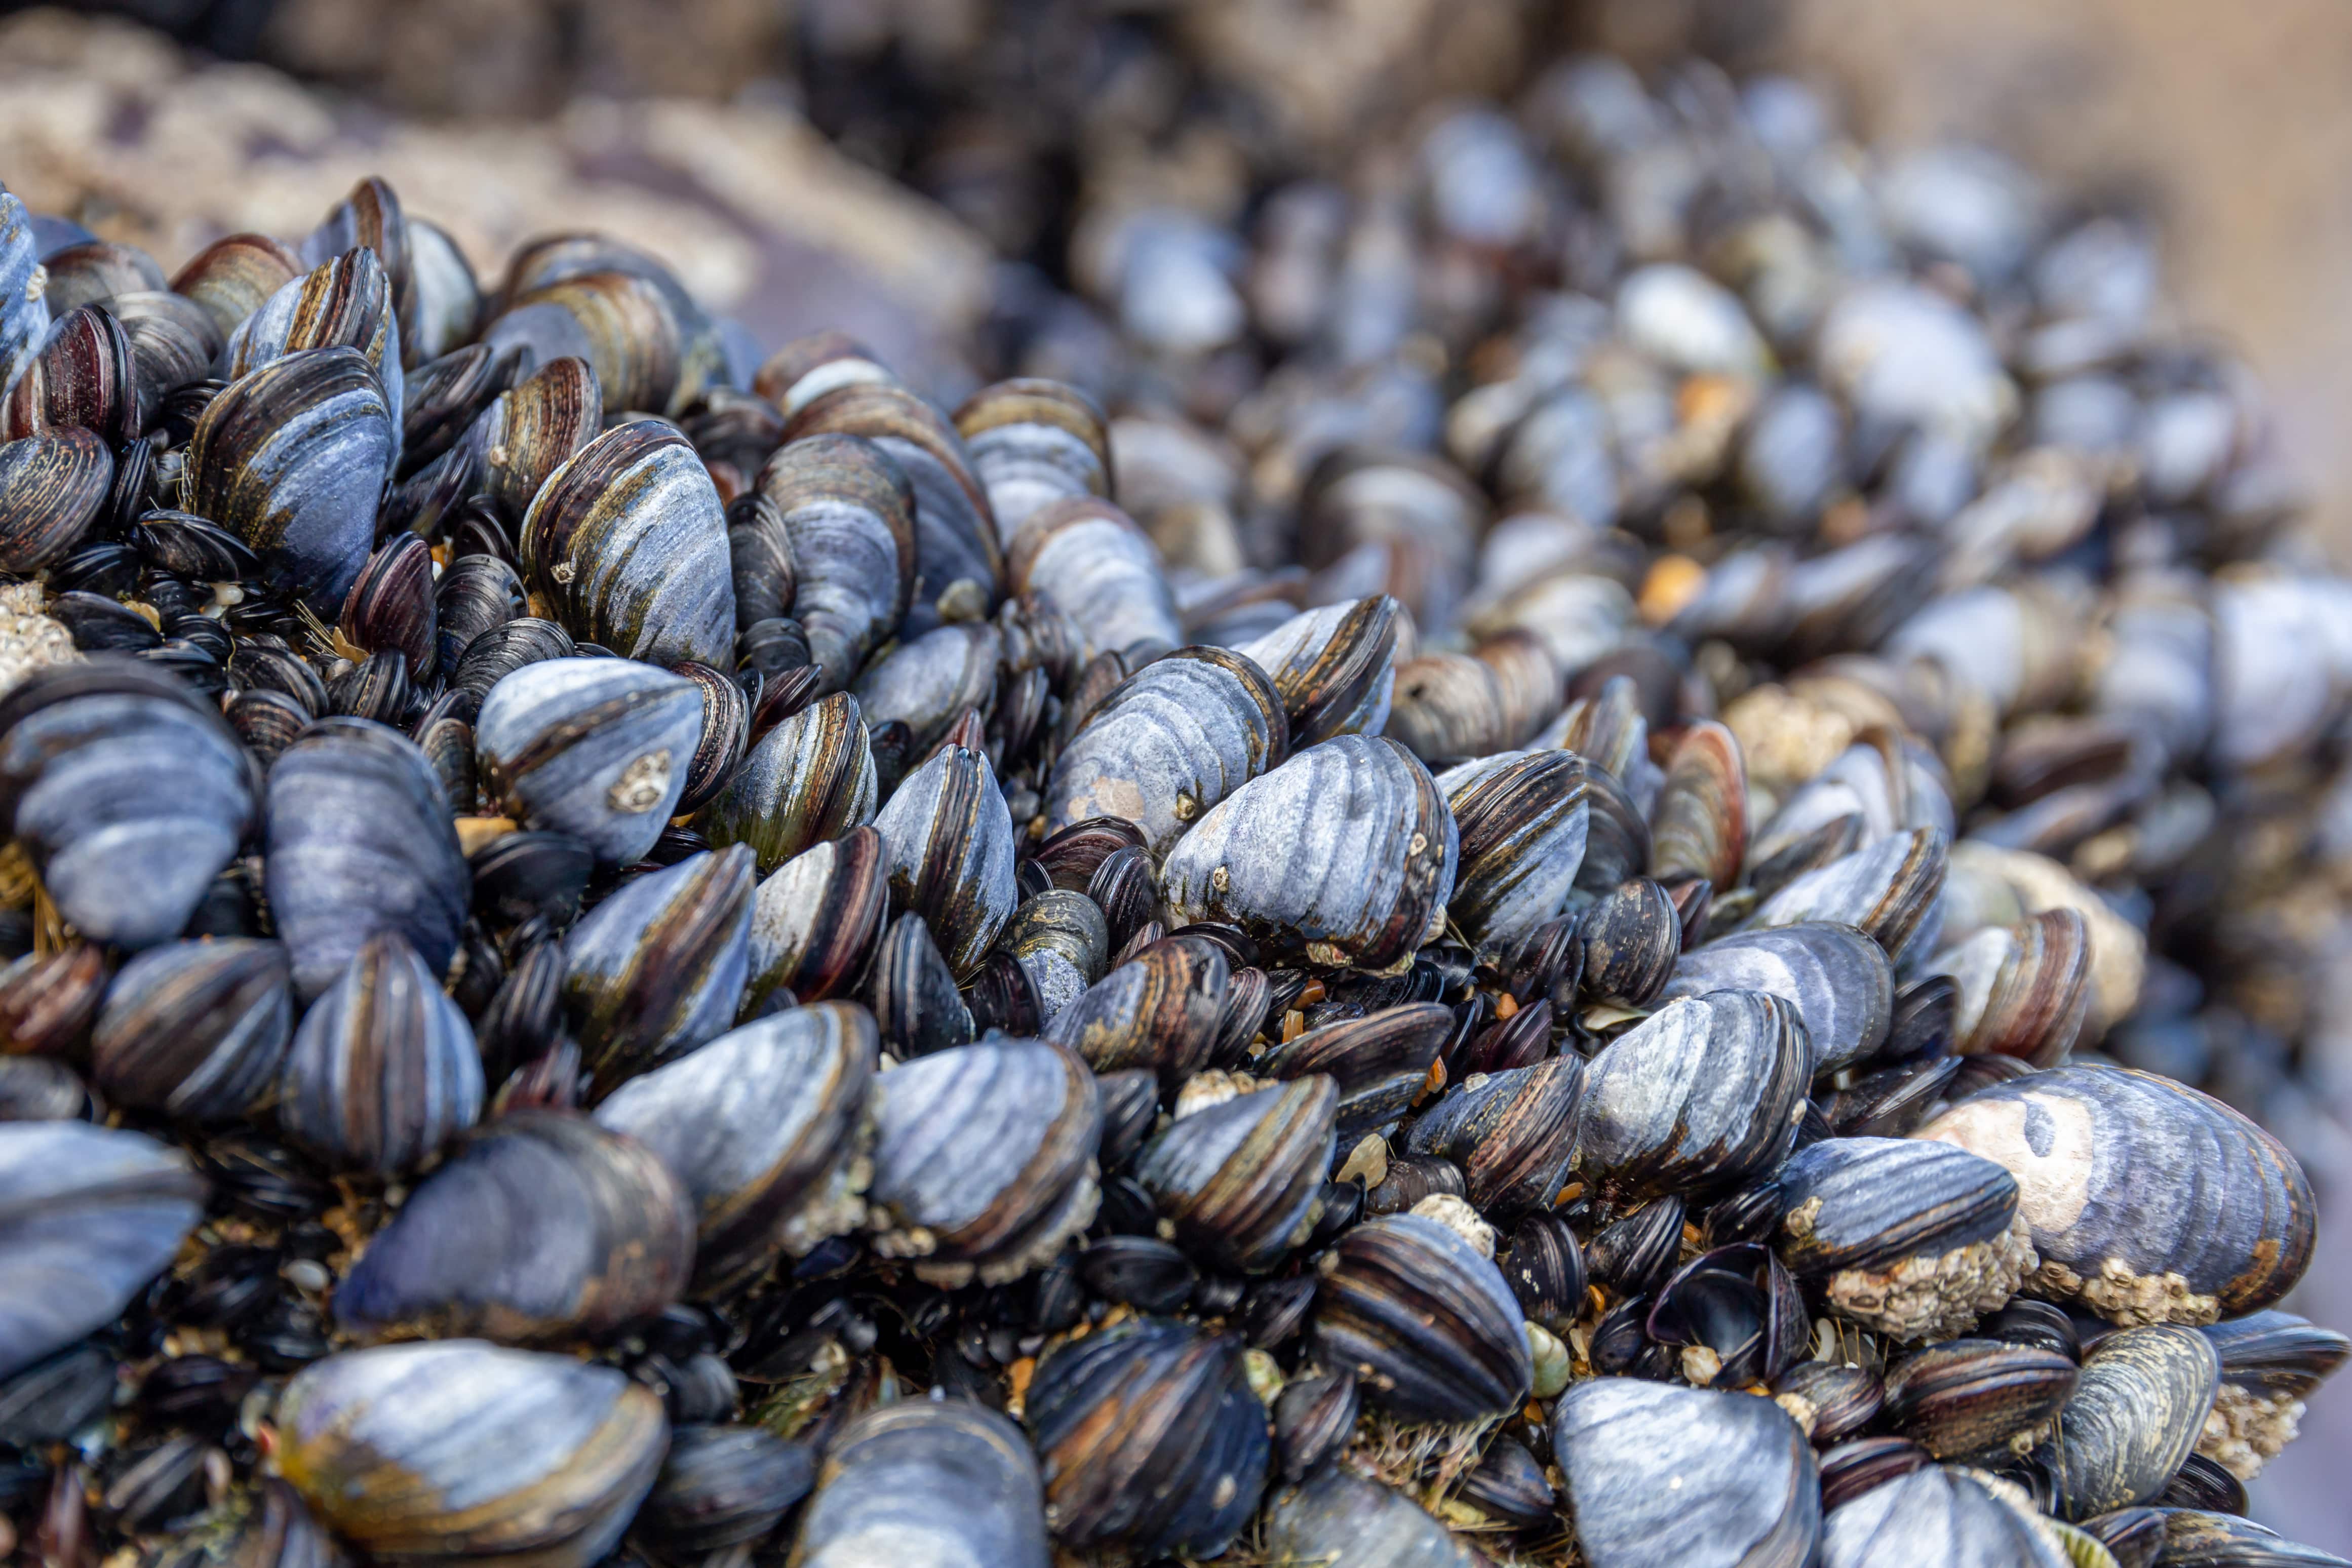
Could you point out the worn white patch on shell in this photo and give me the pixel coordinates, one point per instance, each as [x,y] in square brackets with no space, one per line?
[2054,1185]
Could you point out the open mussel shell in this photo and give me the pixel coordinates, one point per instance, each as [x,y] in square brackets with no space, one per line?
[1701,1096]
[983,1159]
[1149,1438]
[628,542]
[597,748]
[1423,1320]
[1901,1236]
[128,791]
[658,967]
[455,1448]
[1837,978]
[1345,854]
[383,1070]
[2021,990]
[293,458]
[1935,1517]
[1977,1398]
[765,1127]
[196,1029]
[1168,743]
[913,993]
[1888,888]
[1736,1315]
[1340,1516]
[52,484]
[849,512]
[2097,1151]
[1525,820]
[1381,1060]
[815,921]
[810,779]
[948,839]
[360,840]
[87,1217]
[944,1481]
[2271,1362]
[1241,1182]
[1164,1009]
[929,682]
[1651,1473]
[1510,1131]
[466,1254]
[2137,1410]
[1092,561]
[1032,442]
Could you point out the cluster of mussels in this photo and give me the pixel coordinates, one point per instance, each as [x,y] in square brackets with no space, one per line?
[635,956]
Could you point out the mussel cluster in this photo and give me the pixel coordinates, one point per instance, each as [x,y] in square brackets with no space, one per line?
[1541,952]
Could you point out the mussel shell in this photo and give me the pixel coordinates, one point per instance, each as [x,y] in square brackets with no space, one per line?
[848,511]
[723,1486]
[814,921]
[534,428]
[1837,978]
[919,1482]
[1739,1304]
[658,967]
[762,1126]
[1098,568]
[1426,1323]
[1511,1133]
[597,748]
[1446,707]
[1831,1401]
[83,375]
[43,1088]
[1627,942]
[1888,888]
[1525,820]
[1032,442]
[26,322]
[929,682]
[948,839]
[1933,1517]
[1162,1009]
[52,484]
[343,301]
[1977,1398]
[383,1071]
[1380,1060]
[2137,1410]
[1700,825]
[1544,1266]
[391,604]
[912,991]
[2191,1538]
[1334,667]
[1337,1516]
[1060,941]
[469,1252]
[1241,1182]
[1703,1095]
[2097,1151]
[809,780]
[196,1029]
[2022,990]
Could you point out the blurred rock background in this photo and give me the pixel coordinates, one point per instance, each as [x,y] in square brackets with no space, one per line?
[913,170]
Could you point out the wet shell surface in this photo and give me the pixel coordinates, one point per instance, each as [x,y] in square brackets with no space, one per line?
[1653,1473]
[597,748]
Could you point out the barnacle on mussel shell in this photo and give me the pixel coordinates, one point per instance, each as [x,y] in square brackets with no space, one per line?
[2270,1361]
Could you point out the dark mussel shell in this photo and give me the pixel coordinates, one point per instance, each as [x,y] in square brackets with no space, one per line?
[1425,1322]
[196,1029]
[1164,1009]
[1653,1473]
[848,513]
[1977,1399]
[52,484]
[1242,1181]
[722,1487]
[1336,1516]
[383,1071]
[948,841]
[1737,1314]
[1381,1061]
[1702,1096]
[1511,1133]
[808,780]
[658,967]
[814,923]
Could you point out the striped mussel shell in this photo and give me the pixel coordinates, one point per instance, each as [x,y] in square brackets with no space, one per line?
[722,1486]
[848,511]
[2097,1151]
[1700,825]
[2270,1362]
[1901,1236]
[1626,944]
[1888,888]
[1654,1473]
[929,682]
[1162,1009]
[498,652]
[127,790]
[442,307]
[1061,941]
[83,374]
[983,1159]
[810,779]
[726,730]
[1525,820]
[766,1128]
[534,429]
[627,543]
[1977,1398]
[1380,1060]
[956,539]
[1168,743]
[360,840]
[467,1254]
[597,748]
[474,595]
[1527,682]
[2196,1537]
[235,276]
[1939,1517]
[1337,1516]
[370,217]
[658,967]
[946,1482]
[453,1450]
[2019,644]
[1703,1095]
[625,327]
[173,344]
[1609,729]
[815,921]
[196,1029]
[24,312]
[87,1217]
[52,486]
[1103,572]
[345,301]
[1241,1182]
[1890,782]
[1423,1320]
[382,1071]
[2136,1413]
[1033,442]
[1334,667]
[612,318]
[391,608]
[1345,854]
[292,459]
[1510,1131]
[1447,707]
[2023,989]
[1414,512]
[913,993]
[1835,976]
[1151,1437]
[948,841]
[815,363]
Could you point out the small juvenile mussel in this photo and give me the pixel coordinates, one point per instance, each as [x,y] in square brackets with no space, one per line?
[1592,932]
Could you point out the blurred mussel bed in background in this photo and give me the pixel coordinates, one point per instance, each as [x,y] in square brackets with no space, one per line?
[1292,784]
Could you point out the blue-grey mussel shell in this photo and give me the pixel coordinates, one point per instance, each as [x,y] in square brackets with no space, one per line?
[1149,1438]
[1346,851]
[2135,1416]
[2195,1539]
[848,511]
[1169,742]
[948,837]
[1937,1518]
[383,1068]
[1241,1182]
[925,1481]
[128,794]
[814,923]
[196,1029]
[87,1217]
[24,316]
[766,1128]
[1381,1061]
[1524,818]
[455,1449]
[1161,1009]
[1890,888]
[1092,561]
[1704,1094]
[1426,1323]
[1336,1516]
[343,301]
[2271,1361]
[1654,1474]
[1335,667]
[1033,442]
[2098,1153]
[657,968]
[293,459]
[597,748]
[983,1159]
[1511,1133]
[1903,1237]
[929,682]
[723,1486]
[360,840]
[544,1227]
[52,484]
[1837,978]
[628,541]
[810,779]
